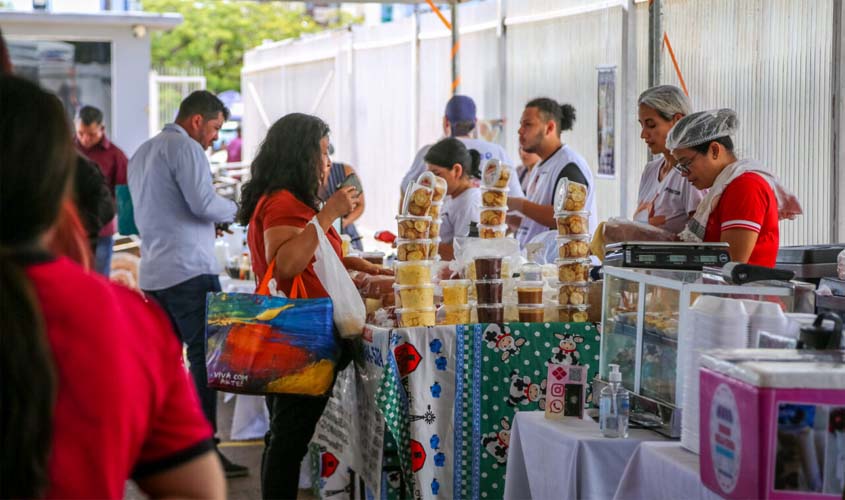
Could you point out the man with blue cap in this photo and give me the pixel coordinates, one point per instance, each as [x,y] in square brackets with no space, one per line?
[459,121]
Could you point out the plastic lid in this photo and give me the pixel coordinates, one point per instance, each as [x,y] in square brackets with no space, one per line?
[490,306]
[450,283]
[425,241]
[573,307]
[583,260]
[503,227]
[497,209]
[529,284]
[615,374]
[564,213]
[436,204]
[531,306]
[490,282]
[458,307]
[409,287]
[488,257]
[572,237]
[417,310]
[491,188]
[401,263]
[413,217]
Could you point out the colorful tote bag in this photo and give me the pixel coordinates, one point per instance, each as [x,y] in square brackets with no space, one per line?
[261,344]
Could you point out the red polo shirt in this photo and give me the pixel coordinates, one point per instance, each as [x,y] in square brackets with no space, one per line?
[748,203]
[125,405]
[112,163]
[282,208]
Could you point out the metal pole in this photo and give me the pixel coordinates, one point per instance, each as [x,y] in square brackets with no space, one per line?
[838,153]
[655,41]
[456,76]
[503,63]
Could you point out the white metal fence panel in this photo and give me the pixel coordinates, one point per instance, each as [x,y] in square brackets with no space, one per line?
[556,50]
[167,89]
[770,60]
[382,109]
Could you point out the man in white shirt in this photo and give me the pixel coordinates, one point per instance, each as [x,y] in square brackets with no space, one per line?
[540,129]
[459,121]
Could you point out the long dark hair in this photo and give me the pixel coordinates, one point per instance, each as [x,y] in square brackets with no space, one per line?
[38,161]
[446,152]
[288,159]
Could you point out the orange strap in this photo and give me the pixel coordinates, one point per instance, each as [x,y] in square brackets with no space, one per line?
[297,290]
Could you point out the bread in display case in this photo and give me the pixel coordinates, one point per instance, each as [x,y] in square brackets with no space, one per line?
[644,318]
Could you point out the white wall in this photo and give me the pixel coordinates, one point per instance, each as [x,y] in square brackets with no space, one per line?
[130,72]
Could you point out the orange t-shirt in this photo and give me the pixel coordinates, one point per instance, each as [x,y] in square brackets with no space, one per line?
[282,208]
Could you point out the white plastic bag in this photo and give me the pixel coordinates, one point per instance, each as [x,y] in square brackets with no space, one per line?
[350,314]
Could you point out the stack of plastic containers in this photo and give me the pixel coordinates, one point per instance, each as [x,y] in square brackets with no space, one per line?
[573,261]
[456,308]
[494,200]
[438,186]
[414,292]
[489,287]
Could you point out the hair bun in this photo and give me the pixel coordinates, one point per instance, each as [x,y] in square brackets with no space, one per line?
[567,116]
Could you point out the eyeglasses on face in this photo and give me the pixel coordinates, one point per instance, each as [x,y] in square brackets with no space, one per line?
[683,167]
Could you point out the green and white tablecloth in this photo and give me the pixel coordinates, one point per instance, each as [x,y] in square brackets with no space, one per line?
[448,395]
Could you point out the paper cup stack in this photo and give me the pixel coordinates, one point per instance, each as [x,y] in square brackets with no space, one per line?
[573,242]
[494,200]
[413,290]
[714,323]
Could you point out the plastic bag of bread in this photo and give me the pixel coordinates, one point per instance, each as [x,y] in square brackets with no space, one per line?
[417,199]
[619,229]
[127,262]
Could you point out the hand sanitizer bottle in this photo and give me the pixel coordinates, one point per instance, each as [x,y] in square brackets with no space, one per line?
[613,406]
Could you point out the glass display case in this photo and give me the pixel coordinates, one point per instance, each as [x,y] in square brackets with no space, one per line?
[644,314]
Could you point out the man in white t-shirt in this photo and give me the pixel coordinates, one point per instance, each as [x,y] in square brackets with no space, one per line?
[459,121]
[540,129]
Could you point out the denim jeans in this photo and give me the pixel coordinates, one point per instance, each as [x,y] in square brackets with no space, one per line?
[292,423]
[102,255]
[185,304]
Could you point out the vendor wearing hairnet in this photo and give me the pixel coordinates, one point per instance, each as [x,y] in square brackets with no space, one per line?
[745,200]
[666,199]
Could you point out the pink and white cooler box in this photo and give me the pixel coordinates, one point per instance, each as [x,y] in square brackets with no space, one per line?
[773,423]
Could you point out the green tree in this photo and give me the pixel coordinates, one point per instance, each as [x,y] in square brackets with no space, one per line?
[215,34]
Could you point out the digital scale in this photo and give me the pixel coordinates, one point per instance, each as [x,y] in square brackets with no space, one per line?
[666,255]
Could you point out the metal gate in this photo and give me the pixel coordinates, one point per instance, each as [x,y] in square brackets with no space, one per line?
[167,89]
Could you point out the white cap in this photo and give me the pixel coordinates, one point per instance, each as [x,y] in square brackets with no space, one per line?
[615,375]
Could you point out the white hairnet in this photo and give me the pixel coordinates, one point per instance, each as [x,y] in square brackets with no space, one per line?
[668,100]
[704,126]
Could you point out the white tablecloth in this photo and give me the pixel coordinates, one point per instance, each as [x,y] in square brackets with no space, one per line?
[551,459]
[662,471]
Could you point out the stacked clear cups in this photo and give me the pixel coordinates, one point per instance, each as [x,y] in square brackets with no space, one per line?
[489,288]
[530,301]
[573,244]
[439,187]
[494,200]
[413,290]
[456,308]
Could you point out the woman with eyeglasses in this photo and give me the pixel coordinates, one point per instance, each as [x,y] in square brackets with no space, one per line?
[744,201]
[665,199]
